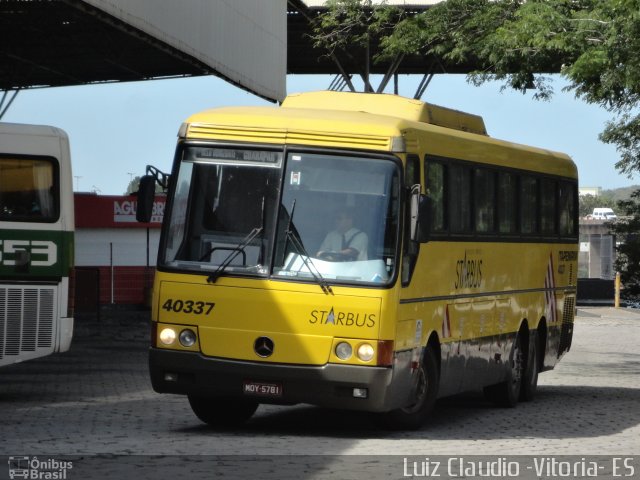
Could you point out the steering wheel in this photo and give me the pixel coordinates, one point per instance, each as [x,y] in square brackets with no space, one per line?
[336,256]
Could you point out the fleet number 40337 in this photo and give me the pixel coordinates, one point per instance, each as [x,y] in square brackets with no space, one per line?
[188,306]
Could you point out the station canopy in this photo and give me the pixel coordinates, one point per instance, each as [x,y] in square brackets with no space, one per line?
[253,44]
[73,42]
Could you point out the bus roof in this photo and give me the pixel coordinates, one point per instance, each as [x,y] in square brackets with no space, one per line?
[379,110]
[371,121]
[7,128]
[389,105]
[25,139]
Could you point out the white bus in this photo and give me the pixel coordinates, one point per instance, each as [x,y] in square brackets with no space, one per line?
[36,242]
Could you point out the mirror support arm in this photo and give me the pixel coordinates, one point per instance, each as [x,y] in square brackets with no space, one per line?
[147,192]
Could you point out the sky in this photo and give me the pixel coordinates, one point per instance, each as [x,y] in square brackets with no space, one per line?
[116,129]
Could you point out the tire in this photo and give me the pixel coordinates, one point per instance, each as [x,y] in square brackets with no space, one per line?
[507,393]
[530,376]
[221,411]
[414,416]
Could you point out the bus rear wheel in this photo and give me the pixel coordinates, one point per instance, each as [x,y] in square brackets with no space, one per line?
[507,393]
[414,415]
[531,370]
[222,411]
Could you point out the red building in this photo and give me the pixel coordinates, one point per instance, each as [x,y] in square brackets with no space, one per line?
[115,255]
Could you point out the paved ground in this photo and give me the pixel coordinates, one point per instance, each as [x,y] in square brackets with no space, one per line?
[96,400]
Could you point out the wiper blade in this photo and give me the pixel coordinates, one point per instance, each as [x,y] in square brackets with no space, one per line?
[306,259]
[304,255]
[235,251]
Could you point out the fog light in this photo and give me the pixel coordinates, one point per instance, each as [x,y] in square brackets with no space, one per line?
[187,338]
[344,351]
[168,336]
[360,393]
[365,352]
[170,377]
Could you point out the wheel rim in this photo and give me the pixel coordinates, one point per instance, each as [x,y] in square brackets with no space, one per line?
[517,364]
[533,381]
[421,392]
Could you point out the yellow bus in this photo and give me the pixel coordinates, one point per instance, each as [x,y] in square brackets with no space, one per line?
[358,251]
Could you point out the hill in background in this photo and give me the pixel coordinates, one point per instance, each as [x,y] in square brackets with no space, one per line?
[623,193]
[607,198]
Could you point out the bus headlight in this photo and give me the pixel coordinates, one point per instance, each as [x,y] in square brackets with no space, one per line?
[187,338]
[167,336]
[365,352]
[344,351]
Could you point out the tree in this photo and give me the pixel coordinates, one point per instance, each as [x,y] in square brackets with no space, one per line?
[594,44]
[588,202]
[627,232]
[133,186]
[349,27]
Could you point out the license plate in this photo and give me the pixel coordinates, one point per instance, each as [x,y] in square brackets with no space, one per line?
[262,389]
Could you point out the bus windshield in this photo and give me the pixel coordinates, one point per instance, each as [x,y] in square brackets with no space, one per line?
[27,190]
[344,212]
[331,217]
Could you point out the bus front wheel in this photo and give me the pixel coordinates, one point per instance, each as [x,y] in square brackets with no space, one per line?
[221,411]
[414,415]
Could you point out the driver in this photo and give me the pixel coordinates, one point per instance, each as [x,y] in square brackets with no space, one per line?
[345,243]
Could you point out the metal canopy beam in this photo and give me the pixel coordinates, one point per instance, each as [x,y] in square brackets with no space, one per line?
[46,43]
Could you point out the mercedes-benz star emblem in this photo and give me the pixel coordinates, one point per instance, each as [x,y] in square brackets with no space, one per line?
[263,346]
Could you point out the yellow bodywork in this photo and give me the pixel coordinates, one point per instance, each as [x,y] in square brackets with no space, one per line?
[301,320]
[296,315]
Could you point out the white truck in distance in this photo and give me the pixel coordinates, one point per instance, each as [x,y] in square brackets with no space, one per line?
[602,214]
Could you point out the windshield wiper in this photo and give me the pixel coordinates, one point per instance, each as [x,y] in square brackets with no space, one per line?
[235,251]
[304,255]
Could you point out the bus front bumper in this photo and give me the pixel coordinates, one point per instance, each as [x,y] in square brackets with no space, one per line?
[374,389]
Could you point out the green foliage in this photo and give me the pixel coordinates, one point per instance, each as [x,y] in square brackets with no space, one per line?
[623,193]
[625,134]
[352,23]
[133,186]
[595,44]
[351,27]
[607,198]
[627,232]
[588,202]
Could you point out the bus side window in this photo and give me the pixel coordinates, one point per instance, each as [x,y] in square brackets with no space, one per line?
[411,249]
[484,202]
[459,198]
[507,203]
[567,210]
[435,181]
[548,224]
[528,205]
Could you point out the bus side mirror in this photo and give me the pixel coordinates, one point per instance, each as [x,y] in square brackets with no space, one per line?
[146,196]
[420,213]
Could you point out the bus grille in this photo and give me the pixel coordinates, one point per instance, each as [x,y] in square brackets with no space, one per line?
[26,319]
[566,329]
